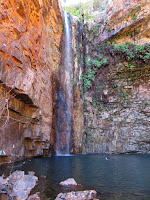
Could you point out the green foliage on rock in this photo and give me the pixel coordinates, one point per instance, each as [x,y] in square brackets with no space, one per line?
[116,68]
[92,66]
[127,51]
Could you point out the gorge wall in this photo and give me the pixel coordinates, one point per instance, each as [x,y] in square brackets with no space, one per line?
[69,74]
[110,102]
[117,78]
[29,51]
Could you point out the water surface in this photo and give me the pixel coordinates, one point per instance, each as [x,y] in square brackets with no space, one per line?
[120,177]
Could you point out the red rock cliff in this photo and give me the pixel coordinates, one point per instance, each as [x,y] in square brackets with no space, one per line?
[30,34]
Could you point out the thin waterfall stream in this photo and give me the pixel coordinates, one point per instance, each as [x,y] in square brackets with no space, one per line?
[64,117]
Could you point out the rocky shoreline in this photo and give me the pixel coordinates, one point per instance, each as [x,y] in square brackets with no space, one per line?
[18,186]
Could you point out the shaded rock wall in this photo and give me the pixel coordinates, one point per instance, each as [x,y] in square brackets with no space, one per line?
[117,79]
[29,51]
[60,92]
[78,118]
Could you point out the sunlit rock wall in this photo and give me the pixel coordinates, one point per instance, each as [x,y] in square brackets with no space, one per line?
[30,34]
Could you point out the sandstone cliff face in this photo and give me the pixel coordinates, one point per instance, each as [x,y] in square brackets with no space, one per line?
[126,21]
[30,34]
[117,81]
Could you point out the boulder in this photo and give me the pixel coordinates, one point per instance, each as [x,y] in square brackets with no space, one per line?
[78,195]
[3,181]
[22,187]
[16,176]
[34,197]
[69,181]
[31,173]
[18,186]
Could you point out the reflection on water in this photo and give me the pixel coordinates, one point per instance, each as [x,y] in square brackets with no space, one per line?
[120,177]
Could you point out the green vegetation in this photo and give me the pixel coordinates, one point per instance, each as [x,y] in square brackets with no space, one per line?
[115,68]
[91,70]
[127,51]
[134,16]
[99,5]
[134,12]
[86,8]
[79,9]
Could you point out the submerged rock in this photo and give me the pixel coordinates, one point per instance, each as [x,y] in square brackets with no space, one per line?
[69,181]
[79,195]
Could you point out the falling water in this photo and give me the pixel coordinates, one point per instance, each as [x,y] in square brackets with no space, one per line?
[64,95]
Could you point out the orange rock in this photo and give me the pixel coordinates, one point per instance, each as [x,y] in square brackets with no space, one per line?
[30,31]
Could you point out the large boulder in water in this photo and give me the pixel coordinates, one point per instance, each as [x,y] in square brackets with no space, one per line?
[69,181]
[79,195]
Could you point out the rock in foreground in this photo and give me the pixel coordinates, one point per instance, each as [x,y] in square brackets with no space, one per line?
[79,195]
[69,181]
[34,197]
[18,185]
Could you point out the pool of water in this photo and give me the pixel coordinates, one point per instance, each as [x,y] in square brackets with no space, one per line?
[119,177]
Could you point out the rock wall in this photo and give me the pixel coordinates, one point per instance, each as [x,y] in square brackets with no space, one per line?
[29,52]
[117,79]
[110,78]
[60,92]
[78,118]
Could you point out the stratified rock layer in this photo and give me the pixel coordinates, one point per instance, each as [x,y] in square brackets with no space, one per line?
[29,50]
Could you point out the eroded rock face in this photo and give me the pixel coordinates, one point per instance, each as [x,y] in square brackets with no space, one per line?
[128,21]
[117,110]
[29,51]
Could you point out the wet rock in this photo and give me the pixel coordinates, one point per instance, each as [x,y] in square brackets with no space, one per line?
[34,197]
[79,195]
[42,176]
[69,181]
[31,173]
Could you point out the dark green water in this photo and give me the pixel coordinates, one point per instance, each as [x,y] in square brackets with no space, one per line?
[121,177]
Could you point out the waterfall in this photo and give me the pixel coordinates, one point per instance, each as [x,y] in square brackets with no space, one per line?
[64,117]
